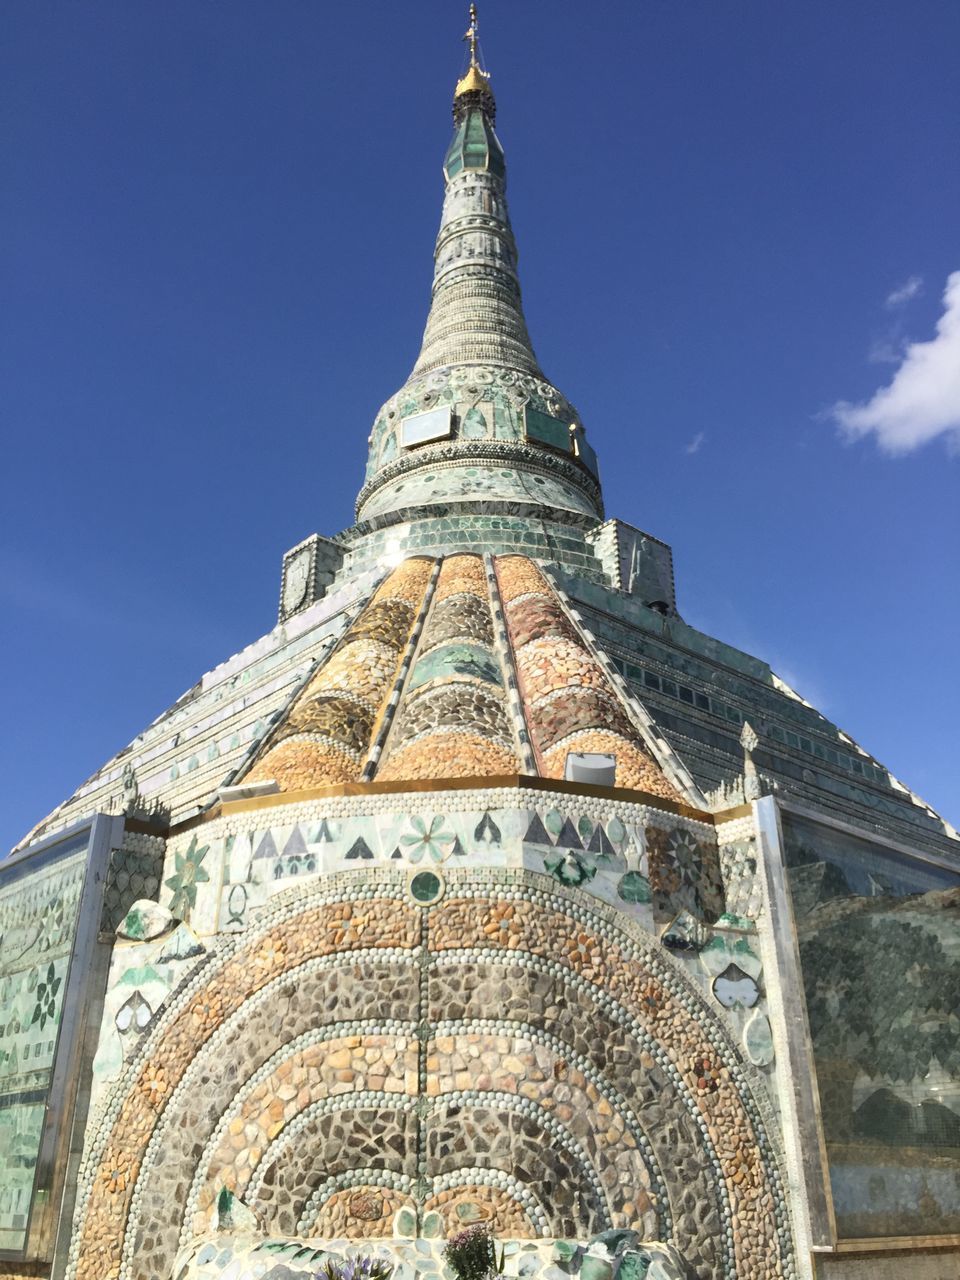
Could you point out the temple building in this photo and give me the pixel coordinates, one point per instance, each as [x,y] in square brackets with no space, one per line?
[483,889]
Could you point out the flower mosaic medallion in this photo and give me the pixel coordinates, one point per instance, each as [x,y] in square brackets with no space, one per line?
[428,841]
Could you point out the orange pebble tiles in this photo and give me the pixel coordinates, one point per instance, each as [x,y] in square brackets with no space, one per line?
[568,699]
[326,734]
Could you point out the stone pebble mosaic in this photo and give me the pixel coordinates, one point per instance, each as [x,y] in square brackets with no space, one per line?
[454,720]
[324,738]
[504,1048]
[451,712]
[569,701]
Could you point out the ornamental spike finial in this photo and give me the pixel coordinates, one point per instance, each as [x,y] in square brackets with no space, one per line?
[471,35]
[474,88]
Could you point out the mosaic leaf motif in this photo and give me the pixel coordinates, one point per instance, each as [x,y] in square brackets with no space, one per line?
[430,841]
[46,1006]
[616,830]
[554,822]
[52,923]
[457,659]
[570,867]
[359,849]
[721,952]
[487,831]
[634,887]
[188,874]
[758,1039]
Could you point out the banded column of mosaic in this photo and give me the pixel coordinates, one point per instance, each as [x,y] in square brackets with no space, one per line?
[327,732]
[568,699]
[453,719]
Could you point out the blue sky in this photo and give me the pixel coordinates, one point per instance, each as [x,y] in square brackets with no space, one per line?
[737,222]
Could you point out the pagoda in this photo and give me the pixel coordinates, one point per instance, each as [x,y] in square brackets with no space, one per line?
[483,891]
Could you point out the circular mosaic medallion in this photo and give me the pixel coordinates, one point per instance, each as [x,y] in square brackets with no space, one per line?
[426,886]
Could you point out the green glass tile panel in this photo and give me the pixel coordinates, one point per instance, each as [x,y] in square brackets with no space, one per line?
[587,454]
[456,660]
[495,159]
[547,430]
[39,906]
[454,158]
[475,141]
[879,943]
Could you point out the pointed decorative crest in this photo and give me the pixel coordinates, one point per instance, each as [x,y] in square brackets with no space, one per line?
[473,90]
[471,35]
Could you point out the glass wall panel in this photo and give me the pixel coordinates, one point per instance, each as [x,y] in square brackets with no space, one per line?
[879,941]
[51,968]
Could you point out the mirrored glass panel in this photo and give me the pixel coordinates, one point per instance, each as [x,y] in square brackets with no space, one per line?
[879,942]
[39,908]
[546,429]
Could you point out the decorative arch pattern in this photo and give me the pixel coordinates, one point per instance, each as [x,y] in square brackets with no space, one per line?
[355,1053]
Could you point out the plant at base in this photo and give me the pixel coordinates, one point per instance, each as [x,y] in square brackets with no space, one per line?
[473,1254]
[365,1268]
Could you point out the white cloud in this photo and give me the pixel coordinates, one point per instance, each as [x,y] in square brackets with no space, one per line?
[909,289]
[695,443]
[922,401]
[888,350]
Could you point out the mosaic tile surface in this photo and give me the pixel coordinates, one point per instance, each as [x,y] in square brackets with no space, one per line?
[325,736]
[453,719]
[879,936]
[569,703]
[38,918]
[508,1049]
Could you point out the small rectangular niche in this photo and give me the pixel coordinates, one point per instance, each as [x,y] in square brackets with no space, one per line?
[420,428]
[545,429]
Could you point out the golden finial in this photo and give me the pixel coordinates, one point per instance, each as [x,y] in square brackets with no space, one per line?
[471,35]
[476,81]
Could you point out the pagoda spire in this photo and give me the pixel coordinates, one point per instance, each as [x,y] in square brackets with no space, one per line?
[476,431]
[476,316]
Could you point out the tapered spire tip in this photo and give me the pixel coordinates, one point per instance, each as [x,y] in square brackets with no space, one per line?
[473,89]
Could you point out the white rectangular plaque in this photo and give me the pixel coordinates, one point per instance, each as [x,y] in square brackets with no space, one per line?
[420,428]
